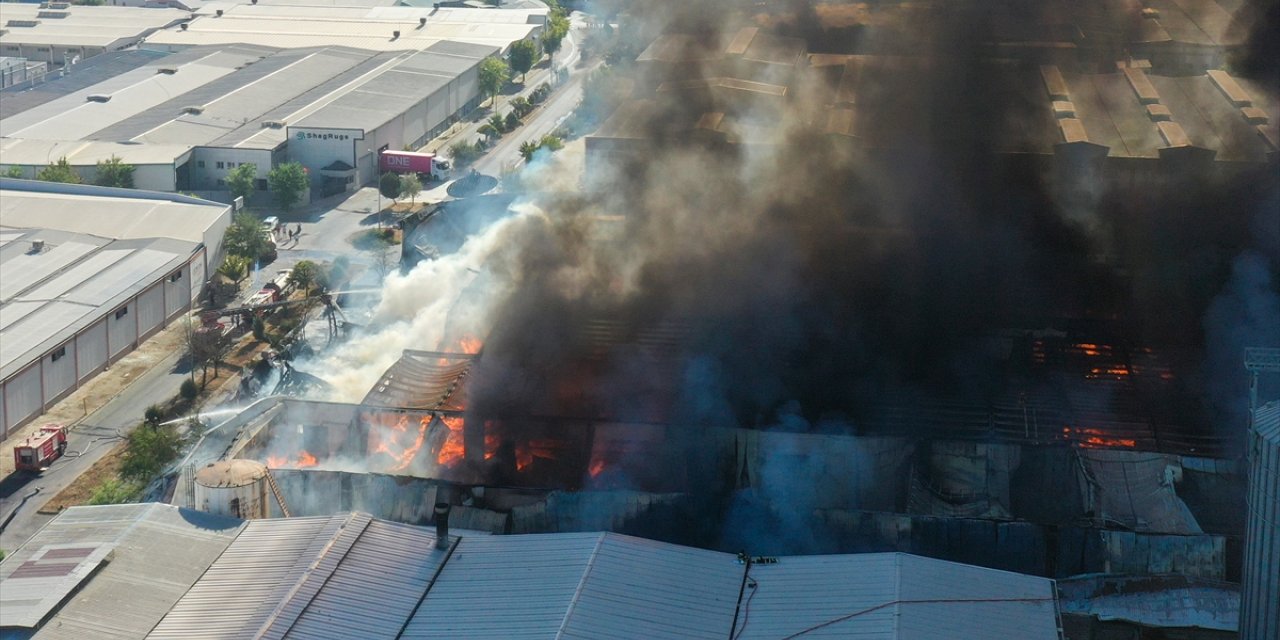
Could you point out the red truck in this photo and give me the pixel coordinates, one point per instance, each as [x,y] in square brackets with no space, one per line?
[40,450]
[424,164]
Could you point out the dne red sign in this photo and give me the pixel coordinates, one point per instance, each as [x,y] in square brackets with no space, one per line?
[405,162]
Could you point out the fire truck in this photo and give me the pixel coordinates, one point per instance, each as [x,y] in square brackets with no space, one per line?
[40,450]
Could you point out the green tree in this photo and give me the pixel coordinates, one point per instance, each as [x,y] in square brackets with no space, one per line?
[150,449]
[553,35]
[59,171]
[488,131]
[464,153]
[235,267]
[13,172]
[410,185]
[113,172]
[551,143]
[389,185]
[113,491]
[240,180]
[527,149]
[523,54]
[245,237]
[494,74]
[513,121]
[288,181]
[305,274]
[498,123]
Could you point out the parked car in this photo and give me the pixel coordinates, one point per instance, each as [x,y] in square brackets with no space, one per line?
[270,223]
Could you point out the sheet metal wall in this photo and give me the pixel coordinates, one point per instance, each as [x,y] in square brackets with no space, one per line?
[1260,593]
[59,375]
[122,331]
[151,312]
[21,397]
[91,350]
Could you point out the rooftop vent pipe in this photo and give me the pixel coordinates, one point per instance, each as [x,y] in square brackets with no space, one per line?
[422,22]
[219,12]
[395,34]
[184,26]
[38,245]
[442,525]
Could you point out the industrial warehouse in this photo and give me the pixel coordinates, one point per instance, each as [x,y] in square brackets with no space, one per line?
[775,320]
[185,120]
[356,576]
[92,287]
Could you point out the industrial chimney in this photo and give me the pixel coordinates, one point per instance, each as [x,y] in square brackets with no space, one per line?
[442,525]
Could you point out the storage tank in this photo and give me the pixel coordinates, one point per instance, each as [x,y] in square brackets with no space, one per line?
[1260,591]
[236,488]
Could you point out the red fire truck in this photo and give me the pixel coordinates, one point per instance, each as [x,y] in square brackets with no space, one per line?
[41,449]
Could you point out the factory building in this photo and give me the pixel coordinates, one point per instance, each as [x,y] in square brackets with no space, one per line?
[354,576]
[61,33]
[1260,606]
[17,71]
[378,28]
[185,120]
[81,291]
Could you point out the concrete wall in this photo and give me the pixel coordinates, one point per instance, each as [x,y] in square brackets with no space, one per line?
[209,166]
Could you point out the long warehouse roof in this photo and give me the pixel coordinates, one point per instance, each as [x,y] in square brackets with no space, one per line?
[351,575]
[75,26]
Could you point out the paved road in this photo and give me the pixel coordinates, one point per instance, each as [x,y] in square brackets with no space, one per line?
[91,440]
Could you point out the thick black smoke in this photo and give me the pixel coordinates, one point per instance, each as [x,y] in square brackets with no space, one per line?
[808,269]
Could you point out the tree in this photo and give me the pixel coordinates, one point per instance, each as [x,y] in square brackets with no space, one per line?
[410,185]
[150,448]
[13,172]
[113,172]
[513,121]
[553,35]
[240,180]
[551,143]
[206,346]
[494,74]
[389,186]
[288,181]
[488,130]
[305,274]
[59,171]
[245,237]
[527,149]
[235,267]
[498,123]
[464,153]
[523,53]
[113,491]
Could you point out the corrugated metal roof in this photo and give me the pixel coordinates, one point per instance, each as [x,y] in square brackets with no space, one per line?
[505,587]
[240,591]
[1266,422]
[158,551]
[121,218]
[423,380]
[89,26]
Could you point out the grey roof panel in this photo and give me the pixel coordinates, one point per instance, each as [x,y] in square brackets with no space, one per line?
[21,97]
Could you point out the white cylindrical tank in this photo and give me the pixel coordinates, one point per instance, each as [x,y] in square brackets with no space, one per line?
[236,488]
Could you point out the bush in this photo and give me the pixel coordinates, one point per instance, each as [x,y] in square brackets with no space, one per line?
[113,491]
[259,329]
[521,106]
[153,415]
[513,121]
[464,153]
[189,390]
[149,450]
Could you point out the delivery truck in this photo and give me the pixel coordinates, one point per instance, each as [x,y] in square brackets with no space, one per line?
[428,166]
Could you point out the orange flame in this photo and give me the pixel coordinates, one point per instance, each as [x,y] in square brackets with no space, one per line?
[401,453]
[452,449]
[1089,438]
[596,468]
[306,459]
[284,462]
[470,344]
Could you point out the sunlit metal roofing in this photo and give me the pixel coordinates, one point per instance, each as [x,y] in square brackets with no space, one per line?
[157,552]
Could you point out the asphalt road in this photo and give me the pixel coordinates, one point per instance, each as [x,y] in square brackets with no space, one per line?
[91,440]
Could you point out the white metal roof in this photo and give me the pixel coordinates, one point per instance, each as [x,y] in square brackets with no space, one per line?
[84,26]
[157,552]
[115,217]
[82,280]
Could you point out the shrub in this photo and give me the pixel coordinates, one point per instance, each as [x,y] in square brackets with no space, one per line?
[189,390]
[259,329]
[513,121]
[149,449]
[113,491]
[153,415]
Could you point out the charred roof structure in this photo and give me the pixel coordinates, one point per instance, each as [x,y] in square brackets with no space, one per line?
[351,575]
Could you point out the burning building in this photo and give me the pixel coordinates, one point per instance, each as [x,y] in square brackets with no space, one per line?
[1260,614]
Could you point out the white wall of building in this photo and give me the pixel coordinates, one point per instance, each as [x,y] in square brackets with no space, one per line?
[177,292]
[91,350]
[151,313]
[58,368]
[122,329]
[22,397]
[209,166]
